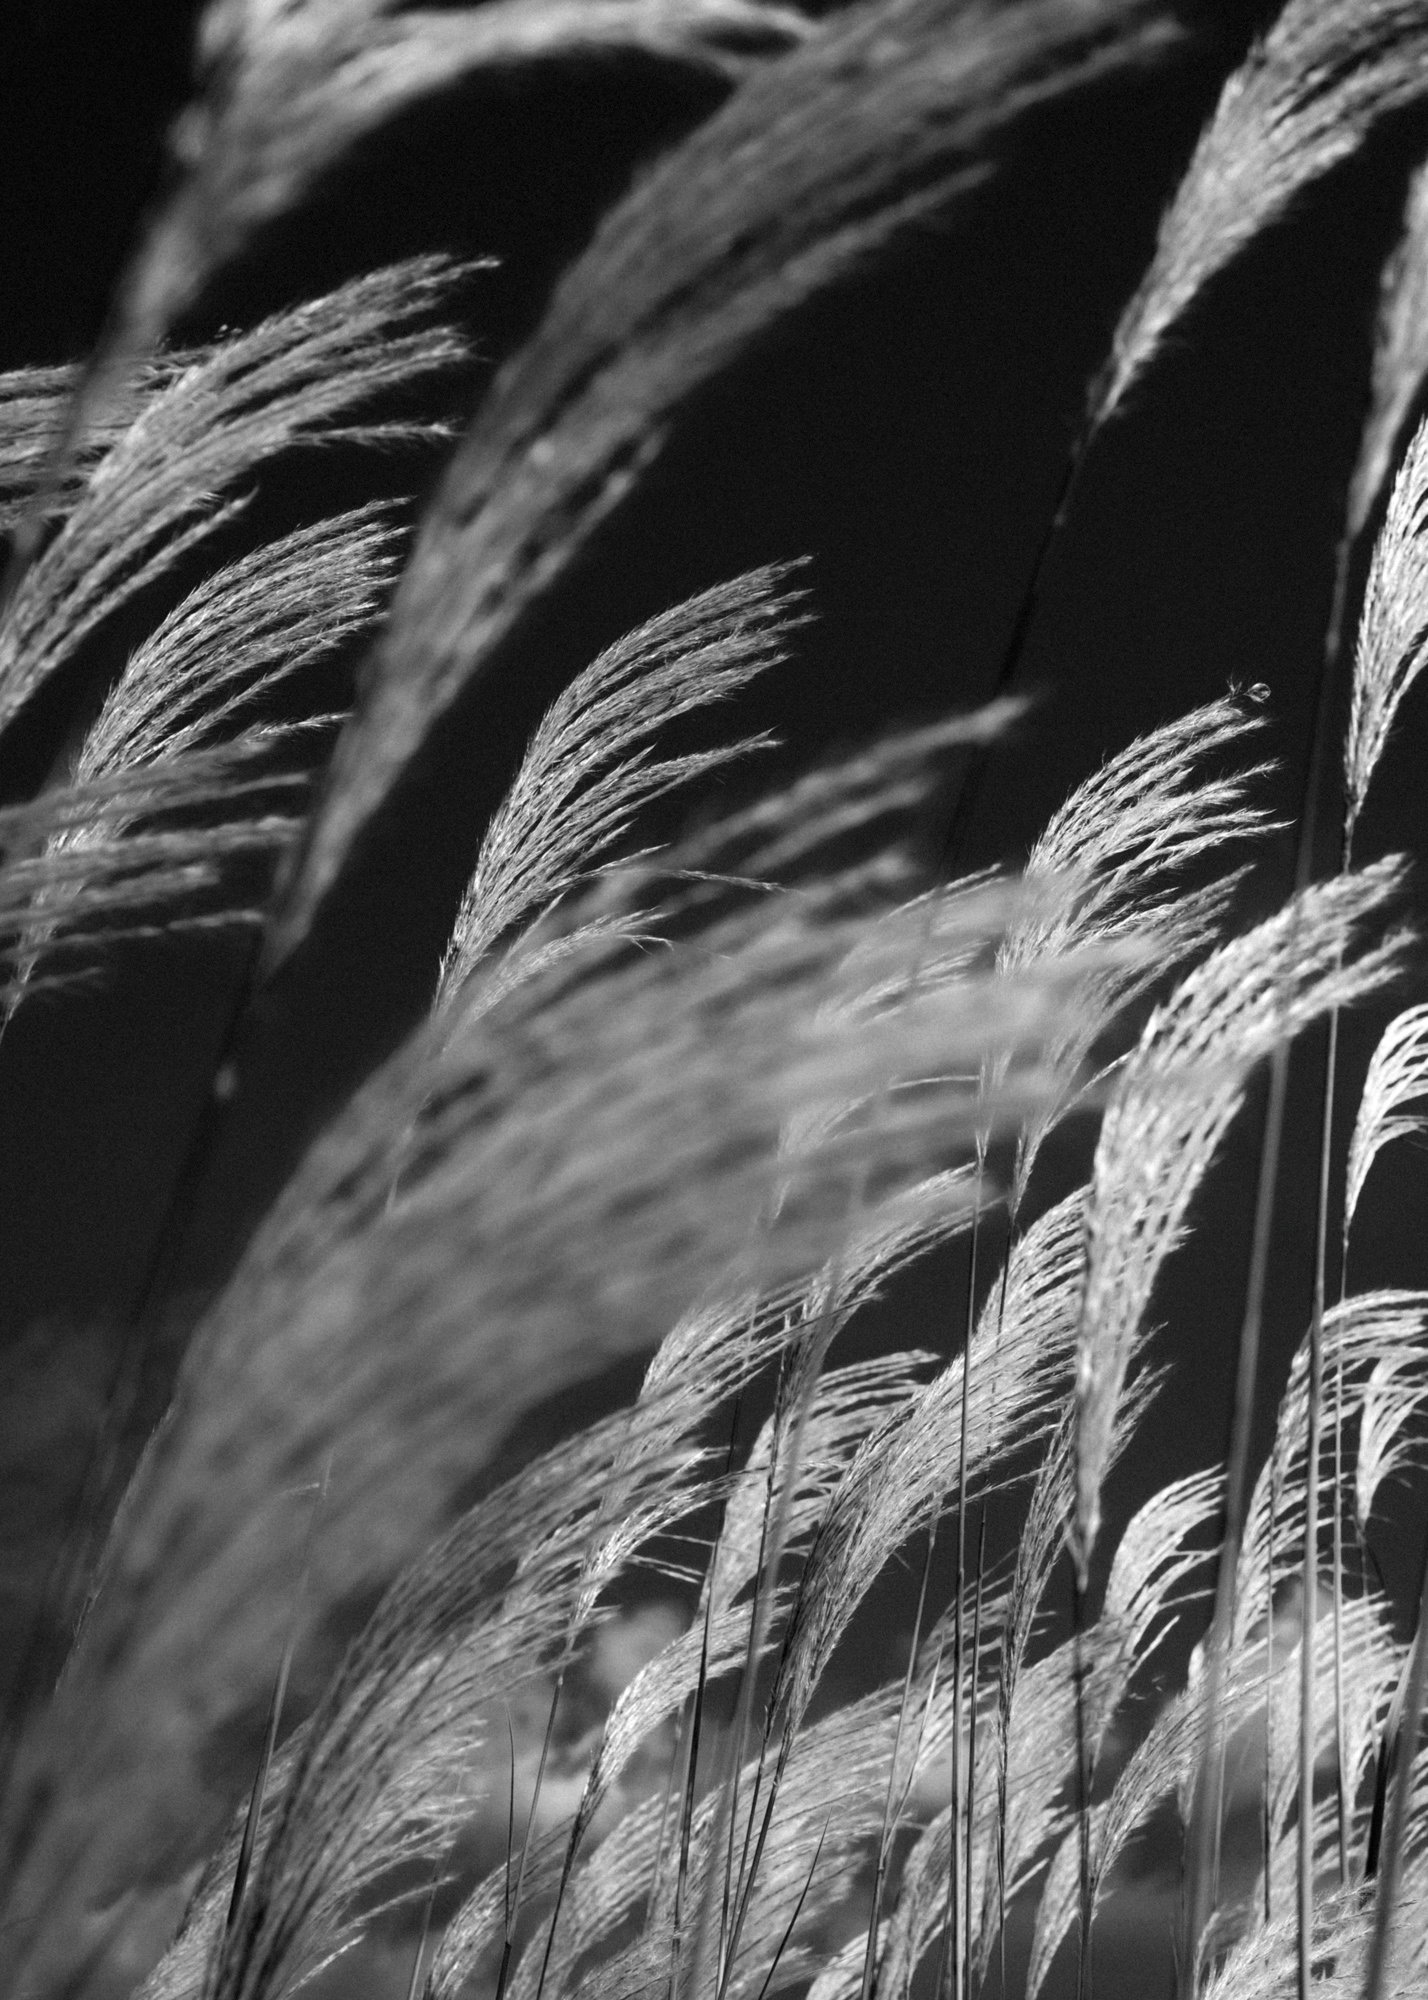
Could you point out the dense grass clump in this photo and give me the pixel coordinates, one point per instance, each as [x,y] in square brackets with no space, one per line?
[377,1628]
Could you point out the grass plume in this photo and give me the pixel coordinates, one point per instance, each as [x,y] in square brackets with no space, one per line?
[415,1656]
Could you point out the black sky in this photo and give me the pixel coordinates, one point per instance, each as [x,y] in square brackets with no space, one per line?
[909,434]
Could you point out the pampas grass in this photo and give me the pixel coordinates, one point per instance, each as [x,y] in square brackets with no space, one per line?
[702,1081]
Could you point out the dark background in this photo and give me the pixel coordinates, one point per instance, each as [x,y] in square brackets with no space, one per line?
[909,433]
